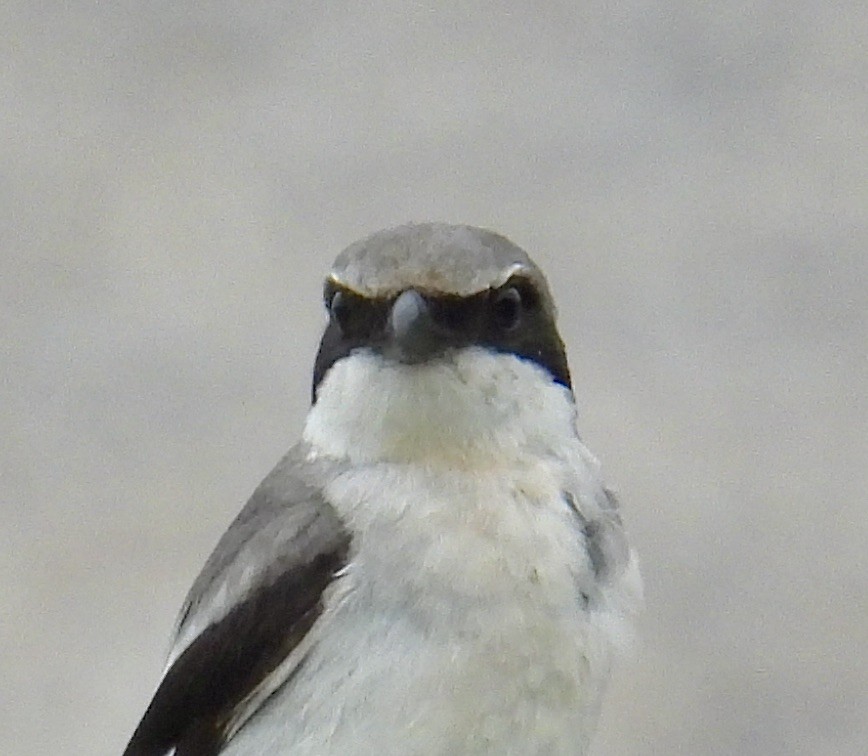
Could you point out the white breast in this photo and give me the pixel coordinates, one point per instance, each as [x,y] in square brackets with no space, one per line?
[459,626]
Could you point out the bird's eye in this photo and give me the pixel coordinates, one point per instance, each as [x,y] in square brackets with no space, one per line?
[507,307]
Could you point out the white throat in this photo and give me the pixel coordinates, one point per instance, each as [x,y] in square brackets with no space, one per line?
[471,407]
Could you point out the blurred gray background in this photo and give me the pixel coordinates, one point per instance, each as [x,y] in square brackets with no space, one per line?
[175,179]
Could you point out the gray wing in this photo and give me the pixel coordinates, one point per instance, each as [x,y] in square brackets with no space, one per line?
[258,595]
[605,540]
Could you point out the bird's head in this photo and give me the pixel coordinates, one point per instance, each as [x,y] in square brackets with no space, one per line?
[439,338]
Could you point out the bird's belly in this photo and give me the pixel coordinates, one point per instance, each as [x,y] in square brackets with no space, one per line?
[505,680]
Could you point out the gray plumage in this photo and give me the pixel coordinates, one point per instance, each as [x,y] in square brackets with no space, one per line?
[286,523]
[434,257]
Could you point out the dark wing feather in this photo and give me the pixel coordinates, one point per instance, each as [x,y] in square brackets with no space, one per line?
[294,544]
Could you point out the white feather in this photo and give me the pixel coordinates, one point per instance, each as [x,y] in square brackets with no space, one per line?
[458,626]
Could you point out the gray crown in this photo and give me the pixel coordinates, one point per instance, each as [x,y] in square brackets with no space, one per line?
[436,258]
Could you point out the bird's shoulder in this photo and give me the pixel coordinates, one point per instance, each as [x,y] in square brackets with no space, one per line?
[286,522]
[256,598]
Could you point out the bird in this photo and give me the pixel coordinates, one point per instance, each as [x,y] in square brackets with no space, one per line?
[437,566]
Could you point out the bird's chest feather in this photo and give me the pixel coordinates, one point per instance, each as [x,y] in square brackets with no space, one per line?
[457,627]
[458,623]
[434,541]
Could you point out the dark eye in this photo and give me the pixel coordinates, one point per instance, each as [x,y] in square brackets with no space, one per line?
[507,308]
[356,317]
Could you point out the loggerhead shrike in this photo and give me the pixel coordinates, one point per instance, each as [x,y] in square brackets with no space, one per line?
[437,567]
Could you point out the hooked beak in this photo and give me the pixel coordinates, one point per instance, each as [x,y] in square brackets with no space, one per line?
[413,335]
